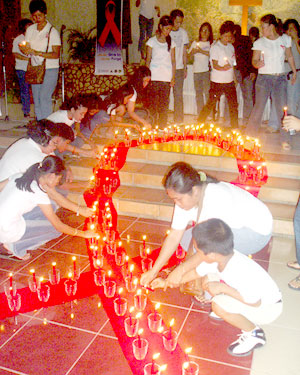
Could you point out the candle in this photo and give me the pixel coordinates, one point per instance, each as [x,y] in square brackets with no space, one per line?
[170,328]
[128,238]
[131,268]
[140,331]
[144,241]
[32,271]
[155,356]
[130,314]
[285,111]
[10,280]
[74,264]
[157,306]
[120,292]
[54,271]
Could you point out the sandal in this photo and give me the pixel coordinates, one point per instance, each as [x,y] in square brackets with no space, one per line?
[295,283]
[286,146]
[13,257]
[294,265]
[201,301]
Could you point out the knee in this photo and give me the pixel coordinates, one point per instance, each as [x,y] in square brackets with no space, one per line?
[218,310]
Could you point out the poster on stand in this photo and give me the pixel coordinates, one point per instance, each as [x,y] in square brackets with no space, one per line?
[109,59]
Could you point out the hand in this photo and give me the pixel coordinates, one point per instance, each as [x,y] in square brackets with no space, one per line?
[185,72]
[172,83]
[252,76]
[294,78]
[86,211]
[147,277]
[174,278]
[260,64]
[147,126]
[291,122]
[212,287]
[25,48]
[227,67]
[89,234]
[159,282]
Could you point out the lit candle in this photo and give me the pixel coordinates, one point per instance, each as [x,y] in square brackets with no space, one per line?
[10,279]
[32,271]
[170,328]
[144,241]
[54,271]
[109,274]
[155,356]
[157,306]
[130,314]
[285,111]
[140,331]
[74,264]
[120,292]
[131,268]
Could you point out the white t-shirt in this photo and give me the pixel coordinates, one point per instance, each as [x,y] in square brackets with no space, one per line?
[201,61]
[181,39]
[14,203]
[147,8]
[223,55]
[235,206]
[38,41]
[274,53]
[19,157]
[247,277]
[19,64]
[161,63]
[61,116]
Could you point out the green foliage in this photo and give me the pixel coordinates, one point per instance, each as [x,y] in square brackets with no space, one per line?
[82,45]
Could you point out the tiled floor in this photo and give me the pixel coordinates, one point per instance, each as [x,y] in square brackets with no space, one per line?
[87,344]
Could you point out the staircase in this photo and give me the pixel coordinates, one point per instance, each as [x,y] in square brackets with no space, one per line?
[142,195]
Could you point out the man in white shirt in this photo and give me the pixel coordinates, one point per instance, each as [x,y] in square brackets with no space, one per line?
[222,79]
[146,21]
[181,39]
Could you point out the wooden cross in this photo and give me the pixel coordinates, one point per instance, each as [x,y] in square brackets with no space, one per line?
[245,4]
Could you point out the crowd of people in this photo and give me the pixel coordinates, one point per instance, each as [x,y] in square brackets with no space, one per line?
[229,223]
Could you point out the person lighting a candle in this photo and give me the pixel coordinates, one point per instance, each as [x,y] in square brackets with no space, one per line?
[242,293]
[198,197]
[19,195]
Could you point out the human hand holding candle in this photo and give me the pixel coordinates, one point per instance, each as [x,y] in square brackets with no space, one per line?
[291,122]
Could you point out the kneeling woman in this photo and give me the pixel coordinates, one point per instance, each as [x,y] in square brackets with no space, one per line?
[197,198]
[21,227]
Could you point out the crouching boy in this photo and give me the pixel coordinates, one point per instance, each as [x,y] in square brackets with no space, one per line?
[243,293]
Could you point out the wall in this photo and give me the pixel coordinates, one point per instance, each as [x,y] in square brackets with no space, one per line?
[82,14]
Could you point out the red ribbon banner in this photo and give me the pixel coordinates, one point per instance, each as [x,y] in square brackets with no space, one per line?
[110,25]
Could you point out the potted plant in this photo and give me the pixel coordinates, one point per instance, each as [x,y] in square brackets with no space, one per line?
[82,45]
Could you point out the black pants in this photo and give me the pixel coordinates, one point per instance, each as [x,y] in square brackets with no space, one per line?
[215,92]
[159,102]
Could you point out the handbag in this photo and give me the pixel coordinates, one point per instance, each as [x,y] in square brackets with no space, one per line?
[35,74]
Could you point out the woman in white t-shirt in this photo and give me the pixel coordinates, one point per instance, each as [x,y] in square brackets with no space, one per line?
[161,61]
[37,37]
[200,50]
[21,227]
[197,198]
[269,53]
[21,62]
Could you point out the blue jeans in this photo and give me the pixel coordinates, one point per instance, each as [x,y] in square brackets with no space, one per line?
[297,231]
[201,84]
[24,91]
[38,231]
[293,97]
[178,95]
[247,88]
[267,85]
[42,94]
[146,29]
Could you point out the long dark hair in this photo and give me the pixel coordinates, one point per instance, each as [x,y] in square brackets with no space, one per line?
[136,80]
[293,22]
[182,177]
[165,21]
[51,164]
[272,20]
[211,35]
[43,131]
[117,96]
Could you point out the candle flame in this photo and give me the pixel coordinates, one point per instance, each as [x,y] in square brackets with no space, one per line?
[186,365]
[131,268]
[144,237]
[135,281]
[131,309]
[163,367]
[70,275]
[172,322]
[120,243]
[73,258]
[160,329]
[109,273]
[32,270]
[41,279]
[10,274]
[140,331]
[127,258]
[139,292]
[53,264]
[157,306]
[128,237]
[139,315]
[188,350]
[156,355]
[120,290]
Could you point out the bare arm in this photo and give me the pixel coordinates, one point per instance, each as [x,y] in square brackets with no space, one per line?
[130,108]
[60,226]
[20,57]
[148,56]
[219,67]
[173,60]
[257,59]
[185,60]
[290,59]
[3,184]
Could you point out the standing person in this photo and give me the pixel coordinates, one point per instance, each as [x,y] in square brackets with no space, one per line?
[181,39]
[200,50]
[38,36]
[146,21]
[269,53]
[244,71]
[197,198]
[21,228]
[21,62]
[161,61]
[292,28]
[222,79]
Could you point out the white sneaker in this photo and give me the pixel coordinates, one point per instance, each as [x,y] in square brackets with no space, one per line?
[247,342]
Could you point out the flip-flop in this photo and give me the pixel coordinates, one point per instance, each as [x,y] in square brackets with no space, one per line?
[295,283]
[201,303]
[14,258]
[294,265]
